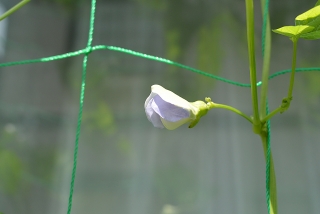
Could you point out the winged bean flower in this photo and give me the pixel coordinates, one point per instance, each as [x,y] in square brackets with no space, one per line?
[165,109]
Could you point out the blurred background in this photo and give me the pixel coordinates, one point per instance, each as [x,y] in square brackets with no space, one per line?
[125,165]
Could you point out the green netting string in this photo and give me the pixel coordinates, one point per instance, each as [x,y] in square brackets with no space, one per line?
[83,85]
[150,57]
[89,48]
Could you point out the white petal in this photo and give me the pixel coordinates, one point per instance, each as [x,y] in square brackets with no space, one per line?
[149,98]
[168,111]
[171,97]
[152,116]
[174,125]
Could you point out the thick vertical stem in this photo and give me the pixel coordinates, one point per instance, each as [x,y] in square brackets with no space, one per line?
[272,176]
[253,77]
[266,61]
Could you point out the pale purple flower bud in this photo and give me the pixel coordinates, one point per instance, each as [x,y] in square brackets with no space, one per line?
[165,109]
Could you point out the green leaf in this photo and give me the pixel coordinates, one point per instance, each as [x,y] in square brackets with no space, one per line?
[315,23]
[312,35]
[309,16]
[293,31]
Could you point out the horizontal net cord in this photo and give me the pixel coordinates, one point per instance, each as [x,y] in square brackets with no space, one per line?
[150,57]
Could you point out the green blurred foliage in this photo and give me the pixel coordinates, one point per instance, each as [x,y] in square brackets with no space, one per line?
[210,51]
[17,171]
[10,171]
[182,22]
[11,166]
[100,119]
[173,37]
[98,116]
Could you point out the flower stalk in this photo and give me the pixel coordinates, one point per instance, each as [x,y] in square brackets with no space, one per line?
[212,105]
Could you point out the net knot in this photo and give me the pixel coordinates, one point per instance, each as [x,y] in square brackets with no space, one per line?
[88,50]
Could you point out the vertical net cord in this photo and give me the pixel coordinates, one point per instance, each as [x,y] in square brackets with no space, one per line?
[83,85]
[264,29]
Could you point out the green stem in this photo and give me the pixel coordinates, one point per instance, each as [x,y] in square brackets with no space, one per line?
[271,114]
[253,77]
[266,64]
[286,101]
[13,9]
[293,68]
[272,176]
[216,105]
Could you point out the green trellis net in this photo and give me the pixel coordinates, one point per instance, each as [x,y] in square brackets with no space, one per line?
[89,48]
